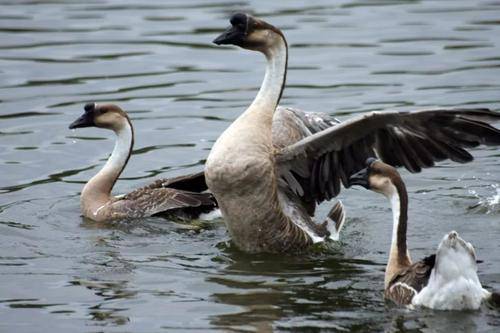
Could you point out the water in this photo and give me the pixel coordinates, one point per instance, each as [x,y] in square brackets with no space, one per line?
[62,273]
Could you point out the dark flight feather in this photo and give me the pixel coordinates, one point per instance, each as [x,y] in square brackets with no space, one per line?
[414,140]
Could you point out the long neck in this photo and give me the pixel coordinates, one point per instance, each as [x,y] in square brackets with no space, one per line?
[271,89]
[98,189]
[399,256]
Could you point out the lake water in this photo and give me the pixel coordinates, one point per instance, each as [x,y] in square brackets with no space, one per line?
[61,273]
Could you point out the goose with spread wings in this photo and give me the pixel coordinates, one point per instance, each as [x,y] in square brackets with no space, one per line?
[271,167]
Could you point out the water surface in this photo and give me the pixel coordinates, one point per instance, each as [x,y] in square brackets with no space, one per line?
[61,273]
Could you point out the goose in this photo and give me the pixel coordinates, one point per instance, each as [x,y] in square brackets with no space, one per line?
[446,280]
[271,167]
[183,197]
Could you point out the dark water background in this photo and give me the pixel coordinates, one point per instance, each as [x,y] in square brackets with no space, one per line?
[60,273]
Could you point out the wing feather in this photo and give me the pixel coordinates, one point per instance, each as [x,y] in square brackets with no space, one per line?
[149,202]
[414,140]
[410,281]
[194,182]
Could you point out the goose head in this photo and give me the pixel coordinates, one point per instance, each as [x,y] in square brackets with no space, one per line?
[378,177]
[108,116]
[250,33]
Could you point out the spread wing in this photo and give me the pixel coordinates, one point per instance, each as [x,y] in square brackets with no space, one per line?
[414,140]
[408,283]
[290,126]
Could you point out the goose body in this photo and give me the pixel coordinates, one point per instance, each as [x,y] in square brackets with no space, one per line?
[183,197]
[446,280]
[272,165]
[453,282]
[241,168]
[244,170]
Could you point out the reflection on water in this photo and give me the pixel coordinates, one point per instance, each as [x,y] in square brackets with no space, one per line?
[60,273]
[267,288]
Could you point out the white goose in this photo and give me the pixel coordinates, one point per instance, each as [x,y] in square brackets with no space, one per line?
[183,197]
[272,165]
[446,280]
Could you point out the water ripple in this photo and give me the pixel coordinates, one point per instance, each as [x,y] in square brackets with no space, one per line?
[157,61]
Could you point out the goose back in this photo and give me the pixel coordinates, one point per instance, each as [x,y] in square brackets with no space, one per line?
[407,283]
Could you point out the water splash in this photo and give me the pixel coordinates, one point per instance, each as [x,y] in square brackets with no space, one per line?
[488,204]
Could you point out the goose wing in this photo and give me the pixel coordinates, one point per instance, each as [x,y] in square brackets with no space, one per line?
[414,140]
[152,201]
[290,126]
[400,293]
[410,281]
[194,182]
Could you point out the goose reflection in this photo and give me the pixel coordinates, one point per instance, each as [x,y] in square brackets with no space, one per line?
[107,275]
[266,289]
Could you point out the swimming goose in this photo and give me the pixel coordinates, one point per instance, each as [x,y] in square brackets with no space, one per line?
[272,165]
[181,197]
[446,280]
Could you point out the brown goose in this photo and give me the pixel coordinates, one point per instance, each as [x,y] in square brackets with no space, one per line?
[272,165]
[446,280]
[183,197]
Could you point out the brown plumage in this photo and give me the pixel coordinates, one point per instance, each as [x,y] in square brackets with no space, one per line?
[408,282]
[183,197]
[403,280]
[446,280]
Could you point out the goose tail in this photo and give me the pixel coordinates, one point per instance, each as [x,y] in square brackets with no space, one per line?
[335,220]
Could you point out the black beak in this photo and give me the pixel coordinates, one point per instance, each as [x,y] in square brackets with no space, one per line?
[230,36]
[86,119]
[360,178]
